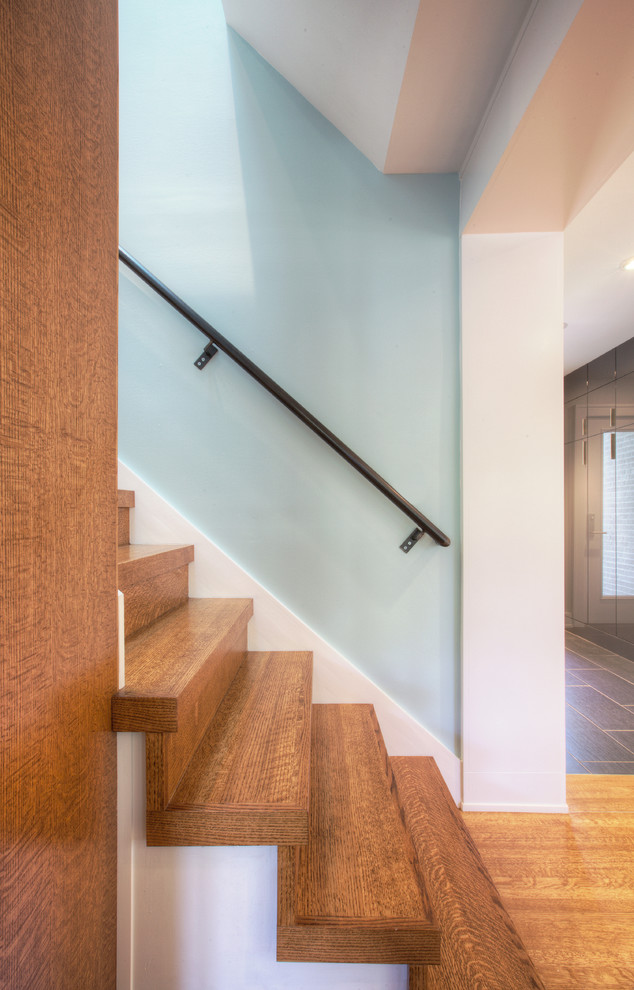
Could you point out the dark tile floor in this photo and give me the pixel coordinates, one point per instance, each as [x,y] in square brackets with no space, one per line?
[599,709]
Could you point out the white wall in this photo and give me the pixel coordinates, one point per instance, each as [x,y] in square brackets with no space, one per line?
[513,581]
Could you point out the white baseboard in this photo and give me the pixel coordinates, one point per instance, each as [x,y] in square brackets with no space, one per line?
[275,627]
[492,791]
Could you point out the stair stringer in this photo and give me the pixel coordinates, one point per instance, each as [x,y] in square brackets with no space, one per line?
[205,917]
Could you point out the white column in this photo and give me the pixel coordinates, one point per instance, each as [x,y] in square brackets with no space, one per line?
[513,570]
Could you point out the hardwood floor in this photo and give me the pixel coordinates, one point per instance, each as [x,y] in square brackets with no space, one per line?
[568,882]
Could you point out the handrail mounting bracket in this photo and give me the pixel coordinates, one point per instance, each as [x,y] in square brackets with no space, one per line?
[411,540]
[206,356]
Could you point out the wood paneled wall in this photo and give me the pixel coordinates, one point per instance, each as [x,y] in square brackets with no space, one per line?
[58,248]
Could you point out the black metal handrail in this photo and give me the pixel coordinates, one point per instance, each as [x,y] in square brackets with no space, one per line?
[221,343]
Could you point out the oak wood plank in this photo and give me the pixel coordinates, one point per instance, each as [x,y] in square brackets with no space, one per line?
[58,468]
[123,526]
[168,753]
[139,562]
[609,794]
[248,781]
[480,945]
[154,580]
[568,882]
[166,659]
[352,893]
[395,944]
[125,499]
[125,502]
[148,600]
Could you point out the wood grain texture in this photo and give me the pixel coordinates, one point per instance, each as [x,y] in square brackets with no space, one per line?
[248,782]
[611,795]
[125,502]
[480,947]
[418,978]
[140,562]
[58,236]
[168,753]
[180,663]
[123,521]
[146,601]
[154,580]
[352,894]
[568,882]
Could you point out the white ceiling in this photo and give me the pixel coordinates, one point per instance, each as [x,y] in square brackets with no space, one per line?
[346,57]
[599,294]
[409,82]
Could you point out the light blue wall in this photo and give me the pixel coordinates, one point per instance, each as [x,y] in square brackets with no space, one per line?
[342,284]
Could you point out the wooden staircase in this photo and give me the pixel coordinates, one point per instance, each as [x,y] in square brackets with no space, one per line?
[237,754]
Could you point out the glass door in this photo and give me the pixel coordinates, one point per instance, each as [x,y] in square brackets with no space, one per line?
[576,515]
[601,531]
[625,533]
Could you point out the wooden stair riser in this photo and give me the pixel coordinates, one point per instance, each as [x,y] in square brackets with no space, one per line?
[153,584]
[125,501]
[123,525]
[168,753]
[248,782]
[148,600]
[352,894]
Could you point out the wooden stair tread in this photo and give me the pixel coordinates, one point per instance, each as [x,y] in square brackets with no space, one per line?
[138,562]
[248,781]
[480,945]
[164,659]
[352,893]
